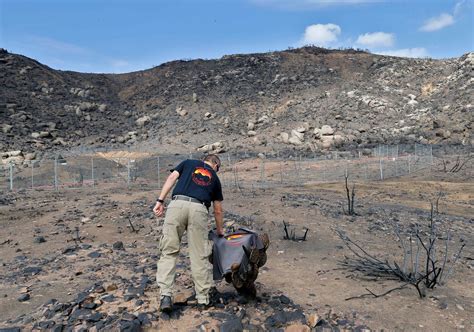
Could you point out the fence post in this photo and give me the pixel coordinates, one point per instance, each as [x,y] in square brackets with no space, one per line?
[158,170]
[262,171]
[128,173]
[11,175]
[234,171]
[381,169]
[32,174]
[281,171]
[92,172]
[56,173]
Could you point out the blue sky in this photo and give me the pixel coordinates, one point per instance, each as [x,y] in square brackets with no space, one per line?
[114,36]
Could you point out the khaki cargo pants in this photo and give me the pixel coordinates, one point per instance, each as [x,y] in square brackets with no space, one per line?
[192,217]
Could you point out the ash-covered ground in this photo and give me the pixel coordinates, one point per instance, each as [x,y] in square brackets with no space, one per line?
[71,260]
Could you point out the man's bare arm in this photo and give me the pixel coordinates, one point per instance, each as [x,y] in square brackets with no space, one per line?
[169,183]
[218,215]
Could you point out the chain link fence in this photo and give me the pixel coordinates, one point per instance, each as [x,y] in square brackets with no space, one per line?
[244,170]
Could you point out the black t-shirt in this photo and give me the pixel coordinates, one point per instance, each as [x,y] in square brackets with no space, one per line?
[198,180]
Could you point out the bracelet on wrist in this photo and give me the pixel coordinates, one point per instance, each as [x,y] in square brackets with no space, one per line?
[160,200]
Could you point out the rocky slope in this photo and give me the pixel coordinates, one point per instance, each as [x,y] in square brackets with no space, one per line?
[310,99]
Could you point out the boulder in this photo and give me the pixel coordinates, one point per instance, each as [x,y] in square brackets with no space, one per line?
[412,103]
[181,111]
[251,125]
[207,115]
[17,160]
[6,128]
[30,156]
[327,130]
[103,107]
[216,147]
[295,140]
[195,97]
[297,328]
[35,135]
[313,320]
[86,106]
[227,122]
[284,137]
[16,153]
[59,141]
[182,297]
[251,133]
[263,119]
[297,134]
[317,133]
[327,141]
[141,122]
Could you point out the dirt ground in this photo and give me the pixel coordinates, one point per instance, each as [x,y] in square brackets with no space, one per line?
[308,272]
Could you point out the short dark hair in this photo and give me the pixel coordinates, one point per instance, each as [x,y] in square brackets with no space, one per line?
[213,158]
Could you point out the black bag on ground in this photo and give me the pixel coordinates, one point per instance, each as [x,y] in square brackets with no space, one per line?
[237,258]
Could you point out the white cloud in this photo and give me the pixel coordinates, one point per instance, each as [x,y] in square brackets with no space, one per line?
[376,39]
[321,34]
[438,22]
[459,7]
[416,52]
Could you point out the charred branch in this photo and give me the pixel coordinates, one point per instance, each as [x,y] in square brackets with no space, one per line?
[350,198]
[290,233]
[420,269]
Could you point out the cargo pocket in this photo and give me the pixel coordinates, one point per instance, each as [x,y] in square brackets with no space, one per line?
[160,244]
[161,239]
[208,249]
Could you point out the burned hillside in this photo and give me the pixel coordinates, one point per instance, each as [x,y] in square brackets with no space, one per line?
[308,99]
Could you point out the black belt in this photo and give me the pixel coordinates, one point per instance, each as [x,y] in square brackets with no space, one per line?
[187,198]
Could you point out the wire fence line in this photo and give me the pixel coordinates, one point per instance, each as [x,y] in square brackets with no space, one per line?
[244,170]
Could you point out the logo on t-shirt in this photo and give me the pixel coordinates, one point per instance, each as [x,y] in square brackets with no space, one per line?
[202,176]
